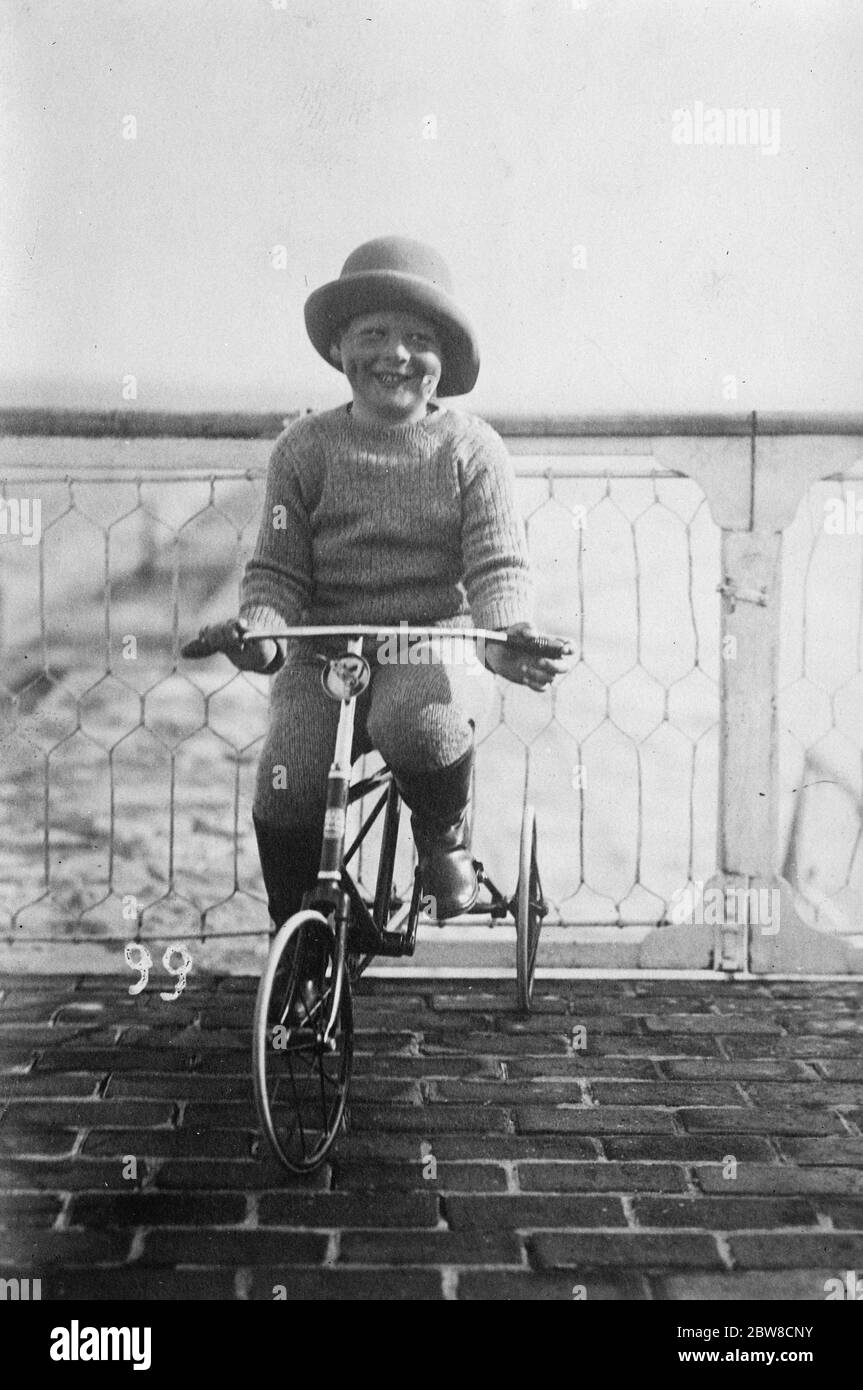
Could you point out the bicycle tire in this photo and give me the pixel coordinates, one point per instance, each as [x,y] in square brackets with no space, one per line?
[315,1043]
[530,909]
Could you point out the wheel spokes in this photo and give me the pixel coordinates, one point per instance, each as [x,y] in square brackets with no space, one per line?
[301,1095]
[309,1088]
[297,1110]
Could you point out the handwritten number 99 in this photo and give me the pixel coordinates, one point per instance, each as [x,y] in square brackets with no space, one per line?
[139,958]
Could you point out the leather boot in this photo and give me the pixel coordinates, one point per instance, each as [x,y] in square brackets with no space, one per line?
[439,801]
[290,857]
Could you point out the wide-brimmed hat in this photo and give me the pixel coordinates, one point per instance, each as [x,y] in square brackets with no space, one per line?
[395,272]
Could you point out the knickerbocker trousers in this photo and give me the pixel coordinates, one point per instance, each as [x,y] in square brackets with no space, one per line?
[419,715]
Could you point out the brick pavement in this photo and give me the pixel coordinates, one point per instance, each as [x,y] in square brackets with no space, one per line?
[705,1142]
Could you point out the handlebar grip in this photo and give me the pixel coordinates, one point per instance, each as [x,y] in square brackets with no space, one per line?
[554,647]
[198,648]
[211,640]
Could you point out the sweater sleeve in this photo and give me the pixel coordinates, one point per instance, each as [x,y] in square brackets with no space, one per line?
[278,579]
[496,567]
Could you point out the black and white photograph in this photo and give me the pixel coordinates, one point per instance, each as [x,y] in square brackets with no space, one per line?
[431,699]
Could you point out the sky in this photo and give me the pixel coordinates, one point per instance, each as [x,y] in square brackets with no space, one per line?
[157,155]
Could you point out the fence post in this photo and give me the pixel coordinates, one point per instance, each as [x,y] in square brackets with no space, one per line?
[784,467]
[748,813]
[753,488]
[721,464]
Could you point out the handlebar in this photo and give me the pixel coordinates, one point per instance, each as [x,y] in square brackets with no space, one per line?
[217,638]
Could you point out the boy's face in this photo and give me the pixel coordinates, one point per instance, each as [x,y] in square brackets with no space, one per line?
[392,360]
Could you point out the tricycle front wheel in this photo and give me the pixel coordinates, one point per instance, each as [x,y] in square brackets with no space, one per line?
[303,1042]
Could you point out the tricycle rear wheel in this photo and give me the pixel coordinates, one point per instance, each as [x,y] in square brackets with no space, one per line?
[530,908]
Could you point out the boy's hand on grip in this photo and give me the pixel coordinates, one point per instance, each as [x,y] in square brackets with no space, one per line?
[523,667]
[229,638]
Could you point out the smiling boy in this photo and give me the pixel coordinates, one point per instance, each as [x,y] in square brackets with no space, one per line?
[390,509]
[393,363]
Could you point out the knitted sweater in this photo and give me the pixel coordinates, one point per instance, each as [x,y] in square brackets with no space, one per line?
[416,523]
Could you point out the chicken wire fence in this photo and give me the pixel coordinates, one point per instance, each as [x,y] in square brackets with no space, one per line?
[129,772]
